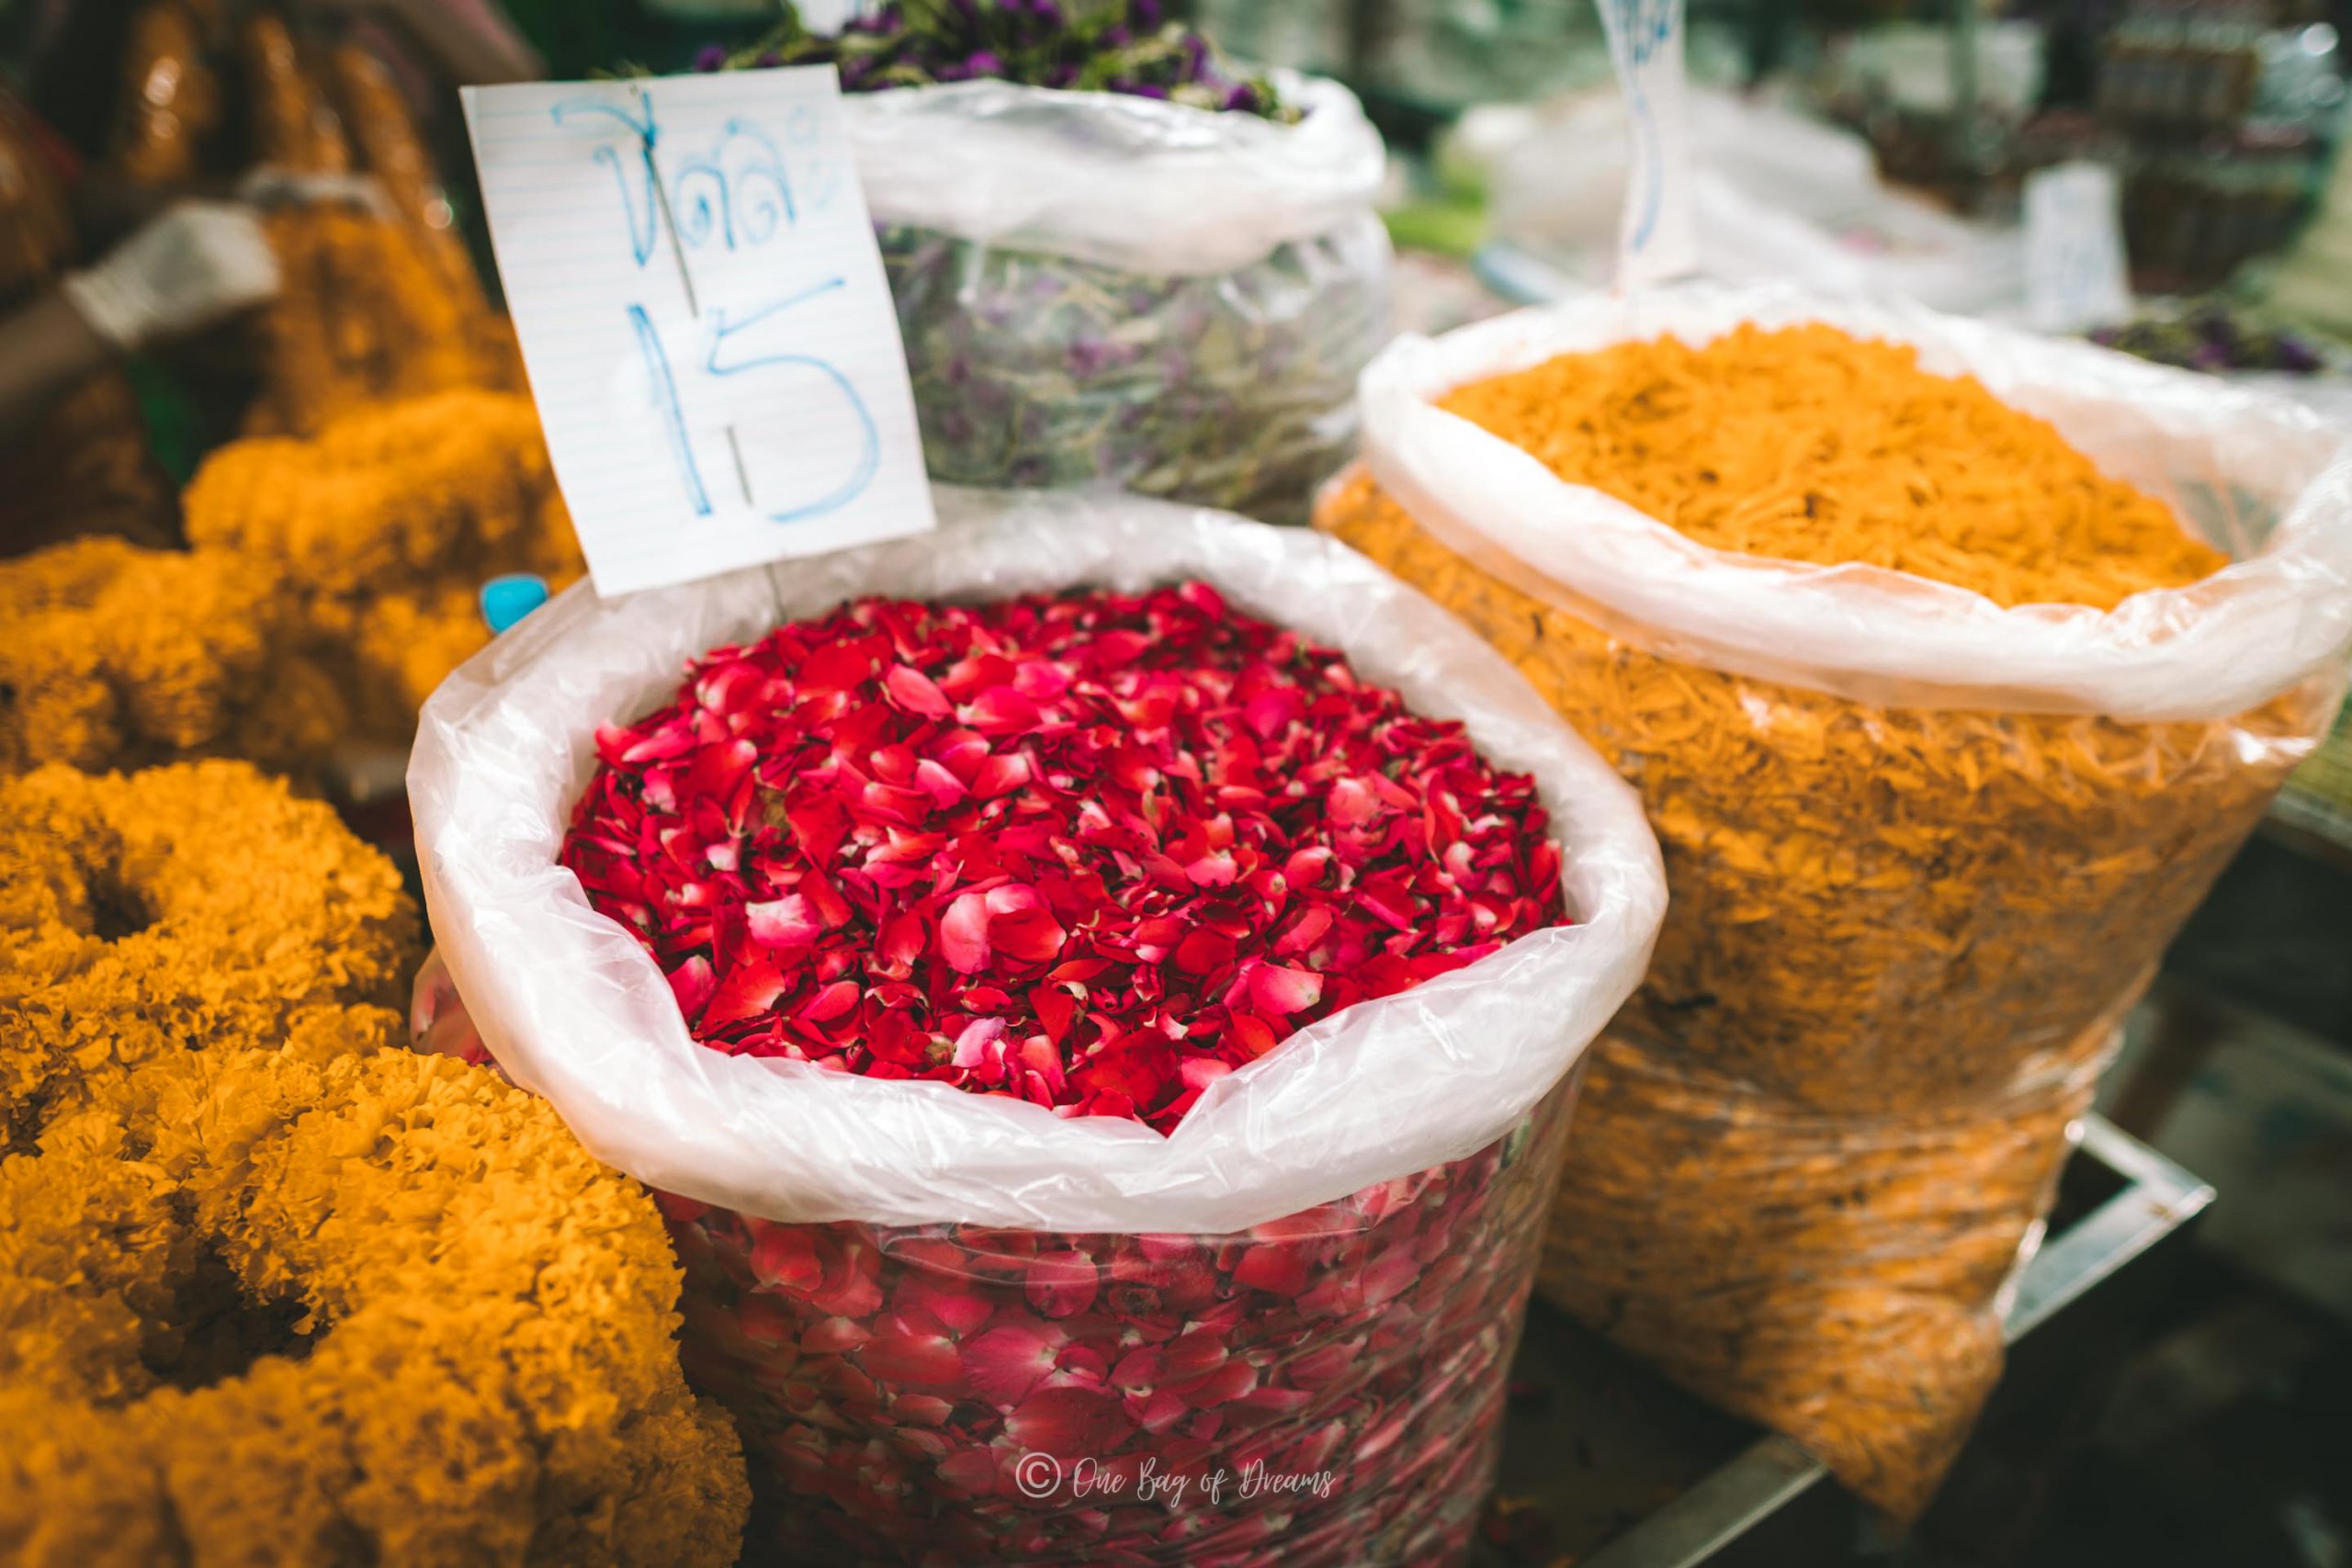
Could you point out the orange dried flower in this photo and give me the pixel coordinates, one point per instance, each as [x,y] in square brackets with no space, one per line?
[379,1308]
[381,531]
[170,97]
[185,908]
[293,127]
[1829,1276]
[122,656]
[363,317]
[1896,935]
[1806,444]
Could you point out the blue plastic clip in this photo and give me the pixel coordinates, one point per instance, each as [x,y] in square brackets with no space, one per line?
[507,600]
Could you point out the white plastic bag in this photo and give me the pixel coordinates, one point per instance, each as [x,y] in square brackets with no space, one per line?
[1137,184]
[1779,196]
[2261,480]
[574,1008]
[1103,289]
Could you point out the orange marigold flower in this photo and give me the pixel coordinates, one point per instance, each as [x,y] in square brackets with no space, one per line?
[377,1308]
[382,530]
[121,656]
[330,588]
[190,907]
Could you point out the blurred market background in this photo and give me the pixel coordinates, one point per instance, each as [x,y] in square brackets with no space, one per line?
[1868,147]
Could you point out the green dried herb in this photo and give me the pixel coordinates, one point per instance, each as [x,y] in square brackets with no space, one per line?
[1234,390]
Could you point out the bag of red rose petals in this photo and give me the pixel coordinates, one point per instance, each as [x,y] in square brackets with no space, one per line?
[959,1326]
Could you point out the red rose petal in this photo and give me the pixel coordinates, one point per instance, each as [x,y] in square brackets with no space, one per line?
[1281,991]
[1062,1284]
[1005,1363]
[1273,1266]
[1069,1423]
[917,693]
[1095,850]
[747,992]
[964,934]
[693,984]
[924,1360]
[785,1256]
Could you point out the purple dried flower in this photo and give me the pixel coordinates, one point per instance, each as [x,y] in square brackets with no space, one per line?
[1244,96]
[1116,38]
[1145,14]
[710,57]
[1061,76]
[1089,356]
[769,59]
[983,63]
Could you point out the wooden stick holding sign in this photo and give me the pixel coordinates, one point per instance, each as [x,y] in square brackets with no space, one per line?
[765,343]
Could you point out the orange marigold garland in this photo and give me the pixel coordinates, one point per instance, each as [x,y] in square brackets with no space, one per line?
[293,127]
[383,130]
[382,1308]
[374,307]
[382,530]
[170,97]
[84,467]
[121,656]
[187,909]
[332,587]
[363,317]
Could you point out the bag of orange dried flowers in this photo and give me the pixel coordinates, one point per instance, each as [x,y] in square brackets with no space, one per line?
[1107,1053]
[1951,666]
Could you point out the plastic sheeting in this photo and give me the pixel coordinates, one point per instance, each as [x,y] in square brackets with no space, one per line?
[2261,480]
[573,1008]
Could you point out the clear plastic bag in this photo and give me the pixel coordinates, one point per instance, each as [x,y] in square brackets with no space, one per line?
[574,1007]
[949,1394]
[1918,843]
[1915,839]
[1838,1277]
[1371,1144]
[1325,1388]
[1100,289]
[1235,391]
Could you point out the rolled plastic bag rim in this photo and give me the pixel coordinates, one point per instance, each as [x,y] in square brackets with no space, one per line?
[2280,613]
[574,1008]
[1119,180]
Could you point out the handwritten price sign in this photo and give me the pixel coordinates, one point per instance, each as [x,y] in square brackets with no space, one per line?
[704,319]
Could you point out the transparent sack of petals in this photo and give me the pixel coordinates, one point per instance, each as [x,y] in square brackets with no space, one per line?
[1095,288]
[1325,1389]
[905,1288]
[1920,844]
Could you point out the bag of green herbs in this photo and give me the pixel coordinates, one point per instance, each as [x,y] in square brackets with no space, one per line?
[1117,259]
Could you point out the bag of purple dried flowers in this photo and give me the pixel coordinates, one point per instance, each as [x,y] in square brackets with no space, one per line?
[1117,259]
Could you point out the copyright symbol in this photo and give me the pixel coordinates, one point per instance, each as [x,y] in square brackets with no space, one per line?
[1037,1474]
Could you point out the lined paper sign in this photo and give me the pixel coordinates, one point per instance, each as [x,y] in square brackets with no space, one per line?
[704,319]
[2075,273]
[1657,237]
